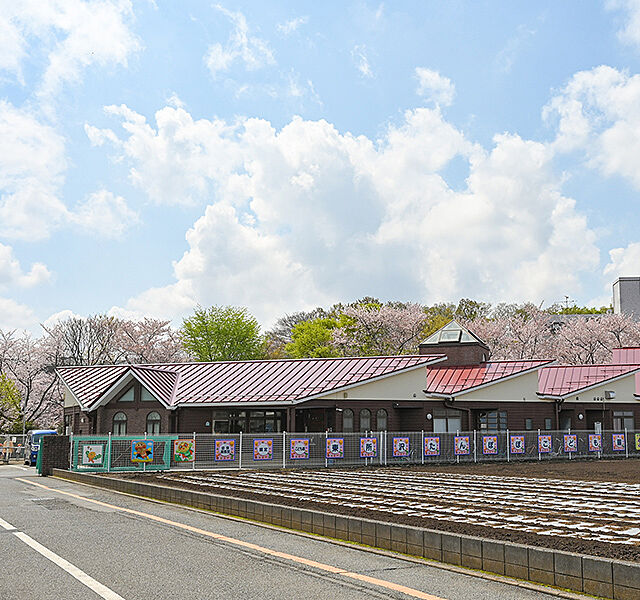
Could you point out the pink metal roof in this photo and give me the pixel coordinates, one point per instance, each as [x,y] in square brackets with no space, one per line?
[454,380]
[569,379]
[268,381]
[626,356]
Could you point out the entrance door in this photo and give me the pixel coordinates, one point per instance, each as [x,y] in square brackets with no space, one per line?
[310,420]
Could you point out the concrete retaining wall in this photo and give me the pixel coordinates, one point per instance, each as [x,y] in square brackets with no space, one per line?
[596,576]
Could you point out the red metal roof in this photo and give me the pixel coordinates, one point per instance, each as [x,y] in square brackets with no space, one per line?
[626,356]
[561,381]
[268,381]
[454,380]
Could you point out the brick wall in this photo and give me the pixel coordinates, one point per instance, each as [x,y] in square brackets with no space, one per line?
[55,453]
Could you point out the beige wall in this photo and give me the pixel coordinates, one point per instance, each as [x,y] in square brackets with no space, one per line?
[517,389]
[69,400]
[401,386]
[624,388]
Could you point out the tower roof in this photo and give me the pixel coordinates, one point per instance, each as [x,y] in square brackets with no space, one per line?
[452,333]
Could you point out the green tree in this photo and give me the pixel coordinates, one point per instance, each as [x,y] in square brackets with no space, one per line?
[312,339]
[222,333]
[9,402]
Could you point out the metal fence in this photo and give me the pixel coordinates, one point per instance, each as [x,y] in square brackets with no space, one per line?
[13,447]
[290,450]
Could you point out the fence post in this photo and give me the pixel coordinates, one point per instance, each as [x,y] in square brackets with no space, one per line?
[240,452]
[109,454]
[508,448]
[422,444]
[193,464]
[538,443]
[326,437]
[70,451]
[284,449]
[386,439]
[475,452]
[626,444]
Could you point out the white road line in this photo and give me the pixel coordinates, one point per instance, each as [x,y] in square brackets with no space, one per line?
[102,590]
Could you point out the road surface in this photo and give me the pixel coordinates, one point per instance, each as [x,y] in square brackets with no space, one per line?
[62,540]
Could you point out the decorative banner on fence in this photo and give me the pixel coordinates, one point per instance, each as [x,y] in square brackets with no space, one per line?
[93,454]
[368,447]
[517,444]
[637,441]
[400,446]
[184,450]
[545,444]
[263,449]
[595,442]
[142,451]
[489,444]
[432,446]
[461,445]
[570,442]
[299,449]
[335,448]
[618,442]
[225,450]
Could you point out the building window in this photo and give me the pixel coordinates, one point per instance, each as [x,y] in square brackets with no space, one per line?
[623,420]
[347,420]
[146,395]
[381,420]
[365,419]
[447,420]
[492,420]
[127,396]
[120,424]
[153,423]
[528,424]
[547,424]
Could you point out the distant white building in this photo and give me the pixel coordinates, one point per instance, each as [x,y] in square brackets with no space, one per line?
[626,296]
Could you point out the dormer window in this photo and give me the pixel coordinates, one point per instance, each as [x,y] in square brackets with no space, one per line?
[127,396]
[147,396]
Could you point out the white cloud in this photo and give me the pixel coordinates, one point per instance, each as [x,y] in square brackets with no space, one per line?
[288,27]
[75,33]
[361,61]
[307,215]
[11,273]
[32,165]
[253,51]
[623,262]
[16,316]
[105,214]
[435,87]
[630,32]
[61,315]
[598,112]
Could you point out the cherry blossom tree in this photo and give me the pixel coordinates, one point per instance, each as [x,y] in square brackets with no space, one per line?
[148,341]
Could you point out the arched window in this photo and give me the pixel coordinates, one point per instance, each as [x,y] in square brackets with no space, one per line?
[153,423]
[120,424]
[347,420]
[381,420]
[365,419]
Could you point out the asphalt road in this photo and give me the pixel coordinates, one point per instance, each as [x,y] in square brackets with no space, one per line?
[67,540]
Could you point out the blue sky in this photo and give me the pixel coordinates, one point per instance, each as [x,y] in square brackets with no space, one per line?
[284,155]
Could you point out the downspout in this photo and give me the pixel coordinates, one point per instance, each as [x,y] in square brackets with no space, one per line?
[558,402]
[449,404]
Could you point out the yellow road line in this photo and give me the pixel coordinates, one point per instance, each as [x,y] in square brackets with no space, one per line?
[283,555]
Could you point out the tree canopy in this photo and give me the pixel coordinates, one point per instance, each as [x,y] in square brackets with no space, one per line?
[222,333]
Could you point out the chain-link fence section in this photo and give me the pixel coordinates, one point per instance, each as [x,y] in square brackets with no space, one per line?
[291,450]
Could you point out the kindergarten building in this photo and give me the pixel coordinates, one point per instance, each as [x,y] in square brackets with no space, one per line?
[452,385]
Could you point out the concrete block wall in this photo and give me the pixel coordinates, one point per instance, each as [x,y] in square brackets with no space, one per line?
[602,577]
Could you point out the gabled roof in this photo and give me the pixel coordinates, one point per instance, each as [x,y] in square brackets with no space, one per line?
[626,356]
[566,380]
[451,381]
[255,381]
[452,333]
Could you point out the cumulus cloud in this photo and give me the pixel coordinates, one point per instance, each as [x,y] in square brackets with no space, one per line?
[14,315]
[61,315]
[76,34]
[307,215]
[435,87]
[630,32]
[12,274]
[598,112]
[624,262]
[251,50]
[105,214]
